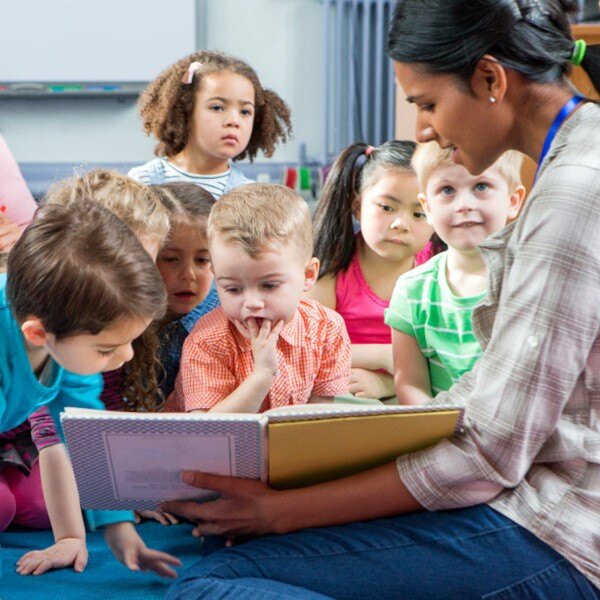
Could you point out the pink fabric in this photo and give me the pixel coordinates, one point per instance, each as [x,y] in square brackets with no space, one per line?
[21,499]
[361,309]
[425,254]
[14,194]
[43,429]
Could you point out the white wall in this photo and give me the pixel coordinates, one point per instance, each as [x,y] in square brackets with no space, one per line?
[281,39]
[284,44]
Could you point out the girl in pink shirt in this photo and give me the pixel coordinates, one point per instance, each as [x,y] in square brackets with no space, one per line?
[369,230]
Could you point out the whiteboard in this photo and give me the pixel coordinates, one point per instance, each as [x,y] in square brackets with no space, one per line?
[93,40]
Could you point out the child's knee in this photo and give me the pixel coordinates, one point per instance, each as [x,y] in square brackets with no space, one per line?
[31,508]
[8,505]
[32,513]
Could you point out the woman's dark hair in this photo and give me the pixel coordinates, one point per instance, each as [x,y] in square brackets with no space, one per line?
[350,175]
[166,105]
[531,37]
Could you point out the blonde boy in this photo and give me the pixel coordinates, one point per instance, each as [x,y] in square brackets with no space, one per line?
[265,346]
[431,307]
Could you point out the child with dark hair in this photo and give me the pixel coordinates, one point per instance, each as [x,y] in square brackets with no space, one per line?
[205,110]
[79,289]
[376,188]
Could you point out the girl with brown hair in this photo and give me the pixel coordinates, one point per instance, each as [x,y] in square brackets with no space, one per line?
[205,110]
[79,289]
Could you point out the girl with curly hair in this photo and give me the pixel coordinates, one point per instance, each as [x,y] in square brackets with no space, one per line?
[205,110]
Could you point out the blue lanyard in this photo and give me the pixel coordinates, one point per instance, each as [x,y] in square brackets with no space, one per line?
[565,111]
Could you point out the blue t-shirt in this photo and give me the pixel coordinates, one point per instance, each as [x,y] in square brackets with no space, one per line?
[21,392]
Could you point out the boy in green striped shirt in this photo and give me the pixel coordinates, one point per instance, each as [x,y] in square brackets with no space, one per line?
[431,307]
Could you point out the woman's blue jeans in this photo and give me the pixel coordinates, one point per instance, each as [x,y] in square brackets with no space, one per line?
[448,555]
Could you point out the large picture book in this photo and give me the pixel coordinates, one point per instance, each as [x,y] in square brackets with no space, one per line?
[125,460]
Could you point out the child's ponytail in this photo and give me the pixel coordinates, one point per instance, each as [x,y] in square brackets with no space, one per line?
[333,220]
[358,167]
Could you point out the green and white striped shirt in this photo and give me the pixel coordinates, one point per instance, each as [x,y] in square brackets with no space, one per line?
[424,307]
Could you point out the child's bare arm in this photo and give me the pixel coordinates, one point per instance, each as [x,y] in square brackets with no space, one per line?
[373,357]
[62,502]
[323,291]
[411,374]
[130,549]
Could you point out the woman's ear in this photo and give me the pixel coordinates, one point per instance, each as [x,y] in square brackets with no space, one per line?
[489,79]
[34,331]
[425,205]
[311,273]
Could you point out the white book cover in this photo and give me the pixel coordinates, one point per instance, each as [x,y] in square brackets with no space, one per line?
[126,461]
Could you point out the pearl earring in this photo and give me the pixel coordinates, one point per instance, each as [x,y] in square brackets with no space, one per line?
[493,99]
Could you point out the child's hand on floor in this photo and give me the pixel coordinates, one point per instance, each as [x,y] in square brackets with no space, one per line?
[371,384]
[157,515]
[67,552]
[129,549]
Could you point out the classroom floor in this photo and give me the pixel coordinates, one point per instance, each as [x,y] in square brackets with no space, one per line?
[104,576]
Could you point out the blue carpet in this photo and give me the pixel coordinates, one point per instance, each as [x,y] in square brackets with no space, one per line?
[104,576]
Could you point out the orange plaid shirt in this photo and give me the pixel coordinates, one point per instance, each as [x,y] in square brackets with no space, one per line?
[313,353]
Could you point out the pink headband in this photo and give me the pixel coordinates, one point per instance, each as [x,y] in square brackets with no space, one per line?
[191,71]
[369,150]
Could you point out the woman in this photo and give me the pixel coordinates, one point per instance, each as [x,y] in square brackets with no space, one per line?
[516,497]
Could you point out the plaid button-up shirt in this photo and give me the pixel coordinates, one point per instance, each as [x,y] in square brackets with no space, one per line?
[313,353]
[531,443]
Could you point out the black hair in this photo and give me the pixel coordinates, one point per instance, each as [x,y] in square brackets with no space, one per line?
[531,37]
[351,173]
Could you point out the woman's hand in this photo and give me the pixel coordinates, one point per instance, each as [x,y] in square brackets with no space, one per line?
[246,507]
[129,549]
[67,552]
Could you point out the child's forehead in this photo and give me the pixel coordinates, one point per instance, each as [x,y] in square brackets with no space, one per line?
[280,255]
[226,82]
[458,175]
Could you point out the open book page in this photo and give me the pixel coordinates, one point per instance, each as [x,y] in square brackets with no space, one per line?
[328,410]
